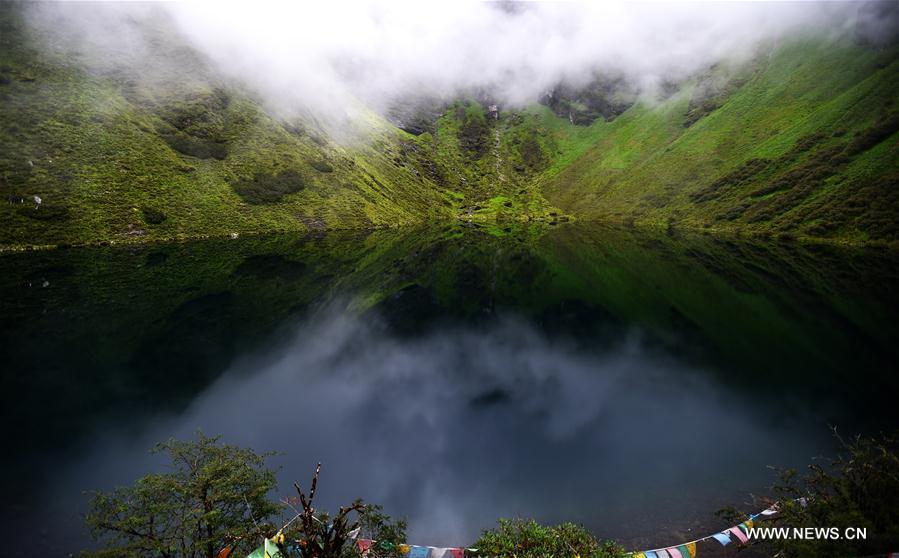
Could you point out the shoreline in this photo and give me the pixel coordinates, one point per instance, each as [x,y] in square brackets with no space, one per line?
[737,234]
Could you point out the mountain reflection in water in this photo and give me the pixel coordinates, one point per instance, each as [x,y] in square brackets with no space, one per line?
[628,381]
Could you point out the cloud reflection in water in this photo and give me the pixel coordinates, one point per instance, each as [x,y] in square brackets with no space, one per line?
[458,427]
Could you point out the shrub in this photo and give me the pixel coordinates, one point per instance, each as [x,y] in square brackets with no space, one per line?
[532,154]
[519,538]
[745,173]
[474,132]
[44,212]
[201,148]
[270,188]
[858,488]
[153,216]
[322,166]
[874,135]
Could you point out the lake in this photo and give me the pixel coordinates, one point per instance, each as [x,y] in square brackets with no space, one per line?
[634,382]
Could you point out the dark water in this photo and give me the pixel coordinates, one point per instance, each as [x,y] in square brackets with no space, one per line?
[632,382]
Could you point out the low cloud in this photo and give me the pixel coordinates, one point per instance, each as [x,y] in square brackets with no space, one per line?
[323,57]
[314,54]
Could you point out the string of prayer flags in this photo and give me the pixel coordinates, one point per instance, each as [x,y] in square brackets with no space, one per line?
[411,550]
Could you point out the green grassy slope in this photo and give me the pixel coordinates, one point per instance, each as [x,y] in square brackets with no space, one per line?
[184,156]
[803,142]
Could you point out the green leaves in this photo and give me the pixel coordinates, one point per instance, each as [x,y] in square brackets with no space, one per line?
[213,495]
[525,538]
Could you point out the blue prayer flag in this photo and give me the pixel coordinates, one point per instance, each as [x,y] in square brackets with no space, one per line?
[723,538]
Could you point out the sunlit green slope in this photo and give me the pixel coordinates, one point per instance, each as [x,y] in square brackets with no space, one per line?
[801,140]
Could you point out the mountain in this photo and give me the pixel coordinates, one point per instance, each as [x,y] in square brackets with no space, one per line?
[801,140]
[798,140]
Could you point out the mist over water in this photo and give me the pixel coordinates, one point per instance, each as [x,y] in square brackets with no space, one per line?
[458,428]
[633,383]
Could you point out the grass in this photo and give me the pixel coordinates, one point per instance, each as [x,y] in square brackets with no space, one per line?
[802,142]
[799,141]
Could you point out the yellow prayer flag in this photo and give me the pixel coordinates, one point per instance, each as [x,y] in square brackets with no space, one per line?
[404,548]
[691,548]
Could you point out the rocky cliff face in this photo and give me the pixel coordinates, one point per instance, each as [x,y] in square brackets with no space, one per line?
[605,96]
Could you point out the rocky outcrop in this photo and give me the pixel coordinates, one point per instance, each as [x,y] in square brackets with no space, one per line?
[603,97]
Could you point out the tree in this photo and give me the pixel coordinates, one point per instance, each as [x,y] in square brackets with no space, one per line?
[214,494]
[314,534]
[525,538]
[858,488]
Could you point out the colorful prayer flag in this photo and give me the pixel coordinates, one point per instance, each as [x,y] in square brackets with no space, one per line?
[403,548]
[770,511]
[457,552]
[418,552]
[674,552]
[662,554]
[272,550]
[688,550]
[364,545]
[739,534]
[723,538]
[650,554]
[438,552]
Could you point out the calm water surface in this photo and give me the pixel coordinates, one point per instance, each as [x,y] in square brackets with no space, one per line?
[632,382]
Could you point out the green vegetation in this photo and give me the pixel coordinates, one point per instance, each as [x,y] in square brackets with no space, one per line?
[267,188]
[855,489]
[217,497]
[528,539]
[100,146]
[798,141]
[193,510]
[204,504]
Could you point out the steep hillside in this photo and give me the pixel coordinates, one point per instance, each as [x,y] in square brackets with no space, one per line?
[114,155]
[118,147]
[802,140]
